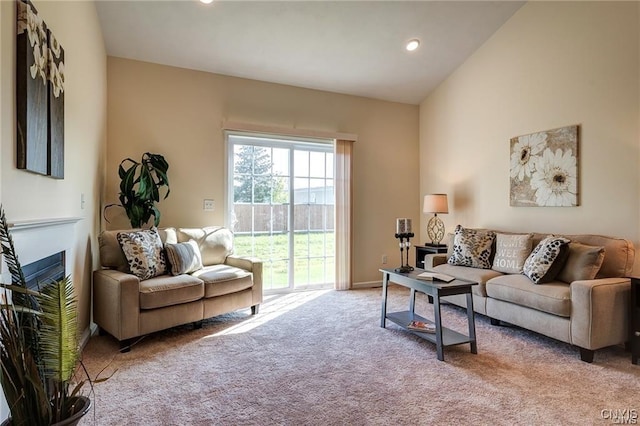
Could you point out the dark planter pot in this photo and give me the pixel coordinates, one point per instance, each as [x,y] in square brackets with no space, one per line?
[82,407]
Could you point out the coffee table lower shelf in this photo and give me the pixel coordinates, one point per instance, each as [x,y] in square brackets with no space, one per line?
[449,337]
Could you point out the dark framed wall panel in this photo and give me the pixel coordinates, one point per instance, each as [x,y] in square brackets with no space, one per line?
[39,95]
[31,94]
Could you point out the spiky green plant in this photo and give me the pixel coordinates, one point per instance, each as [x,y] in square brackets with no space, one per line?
[59,343]
[39,349]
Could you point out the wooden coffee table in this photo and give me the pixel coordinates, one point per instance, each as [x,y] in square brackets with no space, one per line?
[443,336]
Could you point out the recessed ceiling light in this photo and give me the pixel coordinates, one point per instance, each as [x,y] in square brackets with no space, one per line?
[413,44]
[206,1]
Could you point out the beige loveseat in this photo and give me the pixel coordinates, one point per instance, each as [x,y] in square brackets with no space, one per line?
[590,314]
[127,307]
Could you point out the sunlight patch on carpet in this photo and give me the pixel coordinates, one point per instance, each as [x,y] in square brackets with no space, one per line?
[273,307]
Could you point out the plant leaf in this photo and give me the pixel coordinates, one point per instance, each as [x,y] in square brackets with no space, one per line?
[59,331]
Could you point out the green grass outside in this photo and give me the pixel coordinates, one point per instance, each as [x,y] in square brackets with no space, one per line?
[314,257]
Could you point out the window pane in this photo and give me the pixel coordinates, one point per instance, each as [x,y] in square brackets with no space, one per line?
[301,190]
[316,160]
[329,195]
[301,271]
[280,218]
[280,190]
[261,161]
[301,163]
[330,165]
[242,189]
[330,269]
[262,190]
[242,159]
[316,191]
[243,217]
[316,244]
[281,162]
[316,271]
[301,245]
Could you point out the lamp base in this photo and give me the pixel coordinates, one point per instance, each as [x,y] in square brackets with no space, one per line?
[404,269]
[435,230]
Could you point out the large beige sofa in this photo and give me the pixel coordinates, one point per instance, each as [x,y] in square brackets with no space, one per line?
[127,307]
[590,314]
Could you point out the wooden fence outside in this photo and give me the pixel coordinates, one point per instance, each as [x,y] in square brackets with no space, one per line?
[274,218]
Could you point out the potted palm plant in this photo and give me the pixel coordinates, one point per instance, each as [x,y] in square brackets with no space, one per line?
[39,350]
[140,185]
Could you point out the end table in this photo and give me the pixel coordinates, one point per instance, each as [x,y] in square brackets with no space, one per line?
[422,251]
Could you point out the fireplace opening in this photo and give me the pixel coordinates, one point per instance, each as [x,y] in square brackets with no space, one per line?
[45,271]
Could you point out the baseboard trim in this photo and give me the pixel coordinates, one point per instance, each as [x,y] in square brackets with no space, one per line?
[367,284]
[92,330]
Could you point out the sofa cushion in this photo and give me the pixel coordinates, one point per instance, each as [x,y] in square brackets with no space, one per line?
[553,297]
[481,276]
[215,243]
[472,247]
[184,257]
[546,260]
[583,263]
[619,254]
[144,252]
[111,254]
[512,251]
[223,279]
[168,290]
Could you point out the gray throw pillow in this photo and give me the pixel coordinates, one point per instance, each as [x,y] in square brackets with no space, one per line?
[583,263]
[546,260]
[184,258]
[472,247]
[144,252]
[512,251]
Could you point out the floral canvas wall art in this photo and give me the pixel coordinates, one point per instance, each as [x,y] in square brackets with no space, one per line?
[544,168]
[39,95]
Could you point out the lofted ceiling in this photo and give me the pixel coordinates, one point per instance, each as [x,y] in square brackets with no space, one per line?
[350,47]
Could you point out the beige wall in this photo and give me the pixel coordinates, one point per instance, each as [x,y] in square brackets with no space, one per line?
[179,113]
[27,196]
[552,64]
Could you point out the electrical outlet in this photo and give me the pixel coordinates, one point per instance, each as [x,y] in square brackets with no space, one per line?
[209,205]
[384,259]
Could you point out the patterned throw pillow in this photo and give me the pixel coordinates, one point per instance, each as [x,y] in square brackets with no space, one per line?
[144,252]
[511,252]
[472,247]
[184,258]
[546,260]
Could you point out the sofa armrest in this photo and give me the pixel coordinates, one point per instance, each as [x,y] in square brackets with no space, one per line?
[252,265]
[599,312]
[433,260]
[116,303]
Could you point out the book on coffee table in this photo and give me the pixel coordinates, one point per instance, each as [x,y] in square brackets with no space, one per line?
[425,327]
[430,276]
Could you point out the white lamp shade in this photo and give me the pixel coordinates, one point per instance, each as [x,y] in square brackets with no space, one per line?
[435,203]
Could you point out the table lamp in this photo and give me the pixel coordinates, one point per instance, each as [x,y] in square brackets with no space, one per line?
[435,203]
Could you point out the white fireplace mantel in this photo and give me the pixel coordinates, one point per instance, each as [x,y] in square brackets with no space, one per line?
[36,239]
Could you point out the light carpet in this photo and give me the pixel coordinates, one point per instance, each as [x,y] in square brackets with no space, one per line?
[321,358]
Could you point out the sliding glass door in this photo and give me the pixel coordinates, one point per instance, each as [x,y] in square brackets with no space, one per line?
[281,208]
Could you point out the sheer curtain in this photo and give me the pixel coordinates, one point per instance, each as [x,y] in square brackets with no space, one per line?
[343,214]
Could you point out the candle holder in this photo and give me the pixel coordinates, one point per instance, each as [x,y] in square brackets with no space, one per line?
[404,268]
